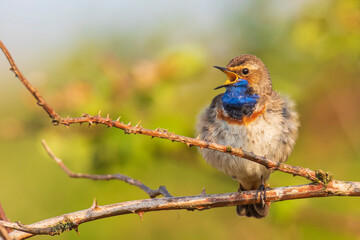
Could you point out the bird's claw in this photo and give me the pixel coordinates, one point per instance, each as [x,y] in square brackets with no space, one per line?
[262,191]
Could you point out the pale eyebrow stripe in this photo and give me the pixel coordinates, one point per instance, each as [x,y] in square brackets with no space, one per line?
[240,67]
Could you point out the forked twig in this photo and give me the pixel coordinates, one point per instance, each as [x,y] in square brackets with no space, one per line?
[152,193]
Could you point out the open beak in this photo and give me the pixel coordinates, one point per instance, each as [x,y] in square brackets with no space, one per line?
[231,77]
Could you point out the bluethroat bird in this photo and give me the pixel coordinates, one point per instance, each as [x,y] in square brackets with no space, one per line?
[252,116]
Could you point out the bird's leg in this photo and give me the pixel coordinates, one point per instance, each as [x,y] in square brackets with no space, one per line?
[239,189]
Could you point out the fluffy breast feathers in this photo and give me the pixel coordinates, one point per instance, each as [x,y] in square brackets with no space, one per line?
[270,131]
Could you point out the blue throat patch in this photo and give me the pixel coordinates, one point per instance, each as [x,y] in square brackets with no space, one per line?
[239,100]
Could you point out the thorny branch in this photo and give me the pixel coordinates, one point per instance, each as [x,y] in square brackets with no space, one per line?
[162,133]
[323,185]
[152,193]
[199,202]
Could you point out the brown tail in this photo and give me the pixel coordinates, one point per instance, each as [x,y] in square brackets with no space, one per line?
[254,210]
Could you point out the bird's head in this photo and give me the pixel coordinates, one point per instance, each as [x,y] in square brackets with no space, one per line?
[247,86]
[247,70]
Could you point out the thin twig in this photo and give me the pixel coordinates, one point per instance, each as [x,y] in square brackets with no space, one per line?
[160,133]
[40,100]
[4,233]
[3,217]
[198,202]
[2,213]
[152,193]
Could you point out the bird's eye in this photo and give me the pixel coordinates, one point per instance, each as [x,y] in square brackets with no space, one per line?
[245,71]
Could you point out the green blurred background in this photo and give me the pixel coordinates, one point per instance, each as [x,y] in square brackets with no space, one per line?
[152,61]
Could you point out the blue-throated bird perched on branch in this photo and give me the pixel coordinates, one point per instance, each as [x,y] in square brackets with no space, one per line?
[252,116]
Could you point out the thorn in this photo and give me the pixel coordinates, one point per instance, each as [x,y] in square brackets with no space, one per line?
[138,124]
[129,124]
[198,137]
[203,192]
[94,206]
[99,113]
[67,126]
[90,123]
[20,224]
[188,144]
[157,129]
[76,229]
[152,137]
[201,148]
[107,116]
[117,120]
[141,215]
